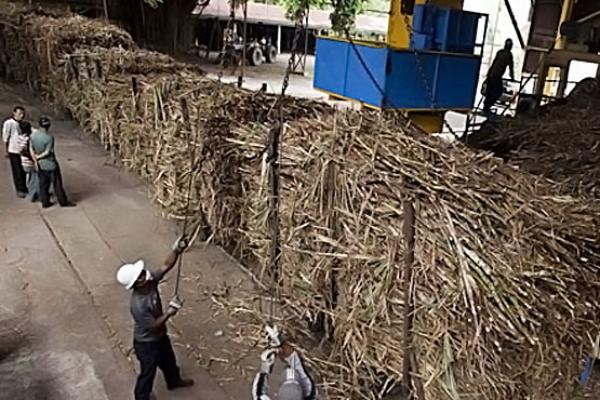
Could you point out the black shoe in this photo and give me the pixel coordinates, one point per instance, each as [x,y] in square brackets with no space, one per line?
[181,384]
[47,205]
[69,204]
[21,195]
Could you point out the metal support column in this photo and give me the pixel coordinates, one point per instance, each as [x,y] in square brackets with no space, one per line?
[566,13]
[542,74]
[564,80]
[278,39]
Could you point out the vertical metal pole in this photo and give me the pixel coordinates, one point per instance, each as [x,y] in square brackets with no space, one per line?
[304,56]
[275,136]
[408,230]
[565,15]
[245,38]
[278,39]
[105,6]
[542,76]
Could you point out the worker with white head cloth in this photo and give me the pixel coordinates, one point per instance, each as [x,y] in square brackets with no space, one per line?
[150,340]
[297,384]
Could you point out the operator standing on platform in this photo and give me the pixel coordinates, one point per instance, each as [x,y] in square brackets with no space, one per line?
[150,340]
[494,88]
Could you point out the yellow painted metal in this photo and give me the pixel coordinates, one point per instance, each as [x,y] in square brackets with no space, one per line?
[399,38]
[430,122]
[565,15]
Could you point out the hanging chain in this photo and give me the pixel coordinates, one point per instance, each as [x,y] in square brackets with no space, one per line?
[419,64]
[274,156]
[423,75]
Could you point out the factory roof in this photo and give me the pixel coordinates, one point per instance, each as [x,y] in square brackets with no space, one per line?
[270,14]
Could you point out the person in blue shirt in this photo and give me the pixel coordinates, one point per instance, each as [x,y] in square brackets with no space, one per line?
[42,150]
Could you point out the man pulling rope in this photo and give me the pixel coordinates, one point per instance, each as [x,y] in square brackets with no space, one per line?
[150,340]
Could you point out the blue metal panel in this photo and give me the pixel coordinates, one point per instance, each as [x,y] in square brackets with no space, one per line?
[451,78]
[359,83]
[405,88]
[462,31]
[457,81]
[444,29]
[330,65]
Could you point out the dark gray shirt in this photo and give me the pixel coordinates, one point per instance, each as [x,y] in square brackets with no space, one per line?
[503,60]
[146,307]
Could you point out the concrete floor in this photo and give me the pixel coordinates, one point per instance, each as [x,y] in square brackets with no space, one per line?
[271,74]
[58,286]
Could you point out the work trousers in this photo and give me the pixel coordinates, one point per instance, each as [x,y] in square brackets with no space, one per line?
[154,355]
[18,173]
[33,184]
[53,178]
[494,88]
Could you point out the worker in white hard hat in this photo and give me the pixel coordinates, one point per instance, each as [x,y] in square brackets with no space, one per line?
[297,383]
[150,340]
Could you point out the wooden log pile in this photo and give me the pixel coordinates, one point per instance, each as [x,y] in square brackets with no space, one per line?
[504,292]
[560,142]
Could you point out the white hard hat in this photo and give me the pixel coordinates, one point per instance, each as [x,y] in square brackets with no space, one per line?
[129,273]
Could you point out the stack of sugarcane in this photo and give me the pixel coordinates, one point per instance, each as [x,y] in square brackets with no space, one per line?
[505,285]
[505,280]
[148,110]
[560,142]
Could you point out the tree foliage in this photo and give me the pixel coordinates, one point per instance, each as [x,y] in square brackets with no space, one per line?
[295,9]
[344,14]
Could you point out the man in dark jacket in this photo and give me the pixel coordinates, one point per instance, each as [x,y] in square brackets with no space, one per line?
[494,86]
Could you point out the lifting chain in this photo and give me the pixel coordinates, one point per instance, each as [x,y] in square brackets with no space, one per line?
[272,155]
[421,70]
[418,62]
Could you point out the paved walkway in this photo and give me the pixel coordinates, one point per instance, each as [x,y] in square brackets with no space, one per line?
[58,285]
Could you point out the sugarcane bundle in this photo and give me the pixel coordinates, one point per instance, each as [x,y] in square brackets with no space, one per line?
[34,40]
[506,279]
[560,142]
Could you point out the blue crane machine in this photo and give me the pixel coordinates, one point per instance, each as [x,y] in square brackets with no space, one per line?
[429,64]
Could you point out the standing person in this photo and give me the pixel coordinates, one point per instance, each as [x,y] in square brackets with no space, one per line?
[494,88]
[42,152]
[297,383]
[10,135]
[27,161]
[150,340]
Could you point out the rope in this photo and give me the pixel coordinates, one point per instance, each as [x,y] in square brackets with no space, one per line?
[192,174]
